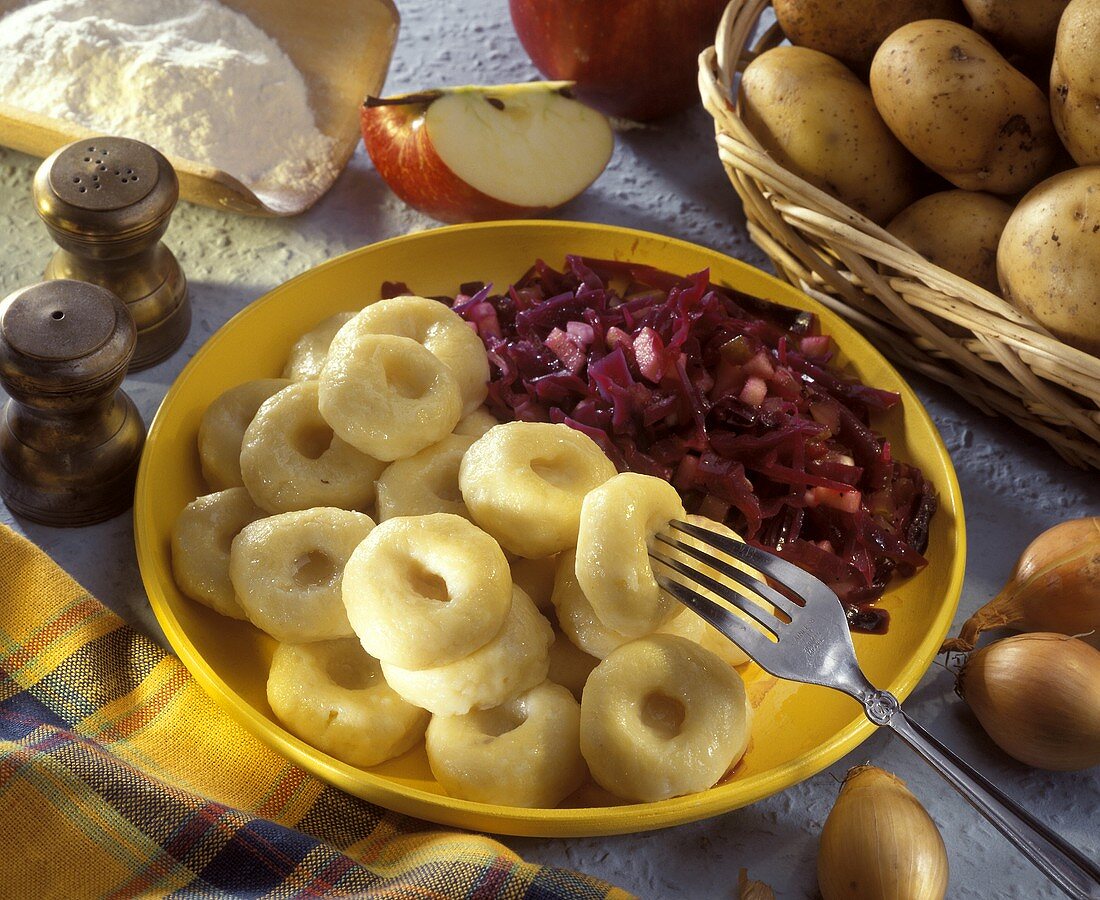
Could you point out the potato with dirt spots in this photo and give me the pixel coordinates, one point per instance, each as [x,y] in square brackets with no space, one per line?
[961,109]
[851,30]
[1048,260]
[817,119]
[1021,26]
[1075,82]
[957,231]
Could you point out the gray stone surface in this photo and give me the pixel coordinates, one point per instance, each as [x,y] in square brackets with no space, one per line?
[662,178]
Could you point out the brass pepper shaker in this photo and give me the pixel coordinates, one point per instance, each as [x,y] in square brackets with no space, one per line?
[107,201]
[70,439]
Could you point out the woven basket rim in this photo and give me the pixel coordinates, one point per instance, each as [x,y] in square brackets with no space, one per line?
[1004,362]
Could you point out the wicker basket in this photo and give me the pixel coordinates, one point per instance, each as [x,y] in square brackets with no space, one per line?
[999,359]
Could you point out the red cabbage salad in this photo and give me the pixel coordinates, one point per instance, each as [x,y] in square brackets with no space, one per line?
[730,397]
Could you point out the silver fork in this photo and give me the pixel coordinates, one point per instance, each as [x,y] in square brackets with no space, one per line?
[811,643]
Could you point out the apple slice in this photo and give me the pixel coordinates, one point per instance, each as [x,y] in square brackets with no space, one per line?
[472,153]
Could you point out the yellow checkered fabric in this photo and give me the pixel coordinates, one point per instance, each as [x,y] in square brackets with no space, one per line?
[119,777]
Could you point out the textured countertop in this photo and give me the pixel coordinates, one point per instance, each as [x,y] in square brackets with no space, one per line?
[664,178]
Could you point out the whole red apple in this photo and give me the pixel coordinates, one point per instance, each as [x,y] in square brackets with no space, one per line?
[637,59]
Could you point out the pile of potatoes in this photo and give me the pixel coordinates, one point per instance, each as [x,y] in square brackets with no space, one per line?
[970,130]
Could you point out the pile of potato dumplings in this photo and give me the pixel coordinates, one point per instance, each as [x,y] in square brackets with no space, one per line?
[431,574]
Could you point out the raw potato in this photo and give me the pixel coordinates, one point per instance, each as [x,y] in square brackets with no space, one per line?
[957,231]
[1075,81]
[1048,260]
[961,109]
[1027,26]
[851,30]
[818,119]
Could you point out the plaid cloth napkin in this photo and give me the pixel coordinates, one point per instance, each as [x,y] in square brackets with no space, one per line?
[119,777]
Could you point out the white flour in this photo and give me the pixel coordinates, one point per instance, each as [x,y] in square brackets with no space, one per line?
[190,77]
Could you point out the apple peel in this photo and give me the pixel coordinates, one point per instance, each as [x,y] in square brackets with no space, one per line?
[634,59]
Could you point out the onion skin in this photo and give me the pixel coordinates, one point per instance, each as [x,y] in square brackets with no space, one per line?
[1051,546]
[879,843]
[1037,695]
[752,890]
[1055,587]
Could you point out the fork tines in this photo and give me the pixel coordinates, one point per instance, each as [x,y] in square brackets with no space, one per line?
[729,596]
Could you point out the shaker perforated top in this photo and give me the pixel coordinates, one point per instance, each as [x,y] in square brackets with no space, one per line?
[104,173]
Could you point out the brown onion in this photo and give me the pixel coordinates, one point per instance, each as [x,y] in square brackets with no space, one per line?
[879,842]
[1055,587]
[1038,696]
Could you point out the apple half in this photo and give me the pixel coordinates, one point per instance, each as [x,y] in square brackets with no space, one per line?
[472,153]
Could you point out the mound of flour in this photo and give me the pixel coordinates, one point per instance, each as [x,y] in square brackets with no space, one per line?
[193,78]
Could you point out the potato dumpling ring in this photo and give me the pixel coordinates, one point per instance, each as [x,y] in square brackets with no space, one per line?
[287,571]
[515,660]
[290,458]
[439,330]
[524,483]
[424,591]
[424,483]
[536,578]
[570,666]
[307,356]
[201,537]
[662,717]
[618,519]
[387,395]
[525,752]
[476,423]
[583,627]
[332,695]
[221,431]
[713,639]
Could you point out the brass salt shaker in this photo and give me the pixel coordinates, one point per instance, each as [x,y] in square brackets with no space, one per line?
[70,439]
[107,201]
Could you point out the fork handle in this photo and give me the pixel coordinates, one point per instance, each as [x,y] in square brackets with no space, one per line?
[1061,863]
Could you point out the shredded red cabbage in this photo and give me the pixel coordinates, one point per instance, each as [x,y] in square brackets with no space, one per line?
[728,396]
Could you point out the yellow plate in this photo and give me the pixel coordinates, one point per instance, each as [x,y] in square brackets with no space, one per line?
[799,729]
